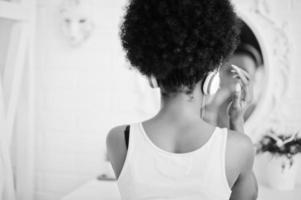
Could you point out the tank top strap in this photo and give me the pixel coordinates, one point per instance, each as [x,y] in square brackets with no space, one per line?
[135,138]
[135,133]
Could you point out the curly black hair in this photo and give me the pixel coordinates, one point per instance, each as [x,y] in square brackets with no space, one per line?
[179,41]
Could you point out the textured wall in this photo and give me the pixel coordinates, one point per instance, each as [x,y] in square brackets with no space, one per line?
[82,92]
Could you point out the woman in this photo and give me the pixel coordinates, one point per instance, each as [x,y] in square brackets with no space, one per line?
[176,154]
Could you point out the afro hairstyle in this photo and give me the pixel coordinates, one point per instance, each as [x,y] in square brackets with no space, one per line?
[178,41]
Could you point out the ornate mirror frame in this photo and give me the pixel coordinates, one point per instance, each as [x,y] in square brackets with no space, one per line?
[274,42]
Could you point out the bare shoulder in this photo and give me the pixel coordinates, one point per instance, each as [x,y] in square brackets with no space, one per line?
[241,148]
[115,140]
[116,148]
[115,135]
[240,154]
[241,140]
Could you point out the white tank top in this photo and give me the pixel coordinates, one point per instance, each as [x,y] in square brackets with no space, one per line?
[151,173]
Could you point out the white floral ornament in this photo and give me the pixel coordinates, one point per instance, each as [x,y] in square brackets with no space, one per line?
[76,21]
[280,142]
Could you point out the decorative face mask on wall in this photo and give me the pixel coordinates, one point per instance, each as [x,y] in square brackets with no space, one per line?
[76,21]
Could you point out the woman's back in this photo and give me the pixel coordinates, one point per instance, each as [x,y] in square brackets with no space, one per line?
[152,167]
[155,173]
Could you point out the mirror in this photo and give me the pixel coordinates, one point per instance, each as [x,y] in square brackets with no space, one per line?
[248,57]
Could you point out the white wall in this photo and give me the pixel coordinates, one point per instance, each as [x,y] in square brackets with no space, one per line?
[289,12]
[82,92]
[294,104]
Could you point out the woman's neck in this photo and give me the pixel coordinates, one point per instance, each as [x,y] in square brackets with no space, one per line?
[180,108]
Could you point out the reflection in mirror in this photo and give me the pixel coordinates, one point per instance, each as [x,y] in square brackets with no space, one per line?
[248,57]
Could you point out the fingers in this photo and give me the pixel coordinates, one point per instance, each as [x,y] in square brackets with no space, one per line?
[246,93]
[240,74]
[236,97]
[244,79]
[234,109]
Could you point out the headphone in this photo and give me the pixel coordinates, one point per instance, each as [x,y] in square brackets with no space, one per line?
[211,82]
[210,85]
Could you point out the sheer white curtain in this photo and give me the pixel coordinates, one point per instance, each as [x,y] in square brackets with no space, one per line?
[16,82]
[6,175]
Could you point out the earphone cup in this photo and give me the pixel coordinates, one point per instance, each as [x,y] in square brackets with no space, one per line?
[214,84]
[211,83]
[206,83]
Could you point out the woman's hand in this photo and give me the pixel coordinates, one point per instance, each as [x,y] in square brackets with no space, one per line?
[214,104]
[240,99]
[236,111]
